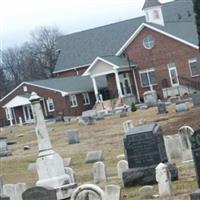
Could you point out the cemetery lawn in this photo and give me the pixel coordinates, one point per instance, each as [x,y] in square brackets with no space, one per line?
[106,135]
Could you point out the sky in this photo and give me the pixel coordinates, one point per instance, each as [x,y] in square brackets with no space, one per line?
[18,18]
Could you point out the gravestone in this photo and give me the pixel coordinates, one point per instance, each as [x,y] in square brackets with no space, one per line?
[195,140]
[94,156]
[9,191]
[67,162]
[88,191]
[173,146]
[19,189]
[1,185]
[99,172]
[4,147]
[150,98]
[146,192]
[89,117]
[196,99]
[161,107]
[39,193]
[185,133]
[113,192]
[122,166]
[73,136]
[127,125]
[163,177]
[144,150]
[71,174]
[181,107]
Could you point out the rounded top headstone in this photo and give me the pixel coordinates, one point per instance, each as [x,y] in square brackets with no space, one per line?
[161,166]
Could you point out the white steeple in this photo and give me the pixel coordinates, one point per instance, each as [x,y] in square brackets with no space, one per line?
[153,12]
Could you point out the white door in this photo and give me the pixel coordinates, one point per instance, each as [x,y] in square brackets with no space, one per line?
[28,113]
[173,74]
[125,84]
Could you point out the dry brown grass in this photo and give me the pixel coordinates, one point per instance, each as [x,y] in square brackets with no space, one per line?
[106,135]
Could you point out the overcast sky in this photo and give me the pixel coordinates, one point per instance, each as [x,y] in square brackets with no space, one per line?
[19,17]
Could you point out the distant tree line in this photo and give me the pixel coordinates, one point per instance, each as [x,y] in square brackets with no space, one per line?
[33,60]
[197,15]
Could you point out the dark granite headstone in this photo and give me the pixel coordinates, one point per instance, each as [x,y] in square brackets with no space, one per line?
[4,147]
[73,136]
[144,146]
[195,140]
[144,150]
[39,193]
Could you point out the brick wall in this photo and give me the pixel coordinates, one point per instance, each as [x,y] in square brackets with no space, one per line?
[72,72]
[61,103]
[165,51]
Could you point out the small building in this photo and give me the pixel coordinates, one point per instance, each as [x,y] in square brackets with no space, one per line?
[67,96]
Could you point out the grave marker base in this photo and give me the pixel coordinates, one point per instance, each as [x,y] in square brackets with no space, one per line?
[145,175]
[195,195]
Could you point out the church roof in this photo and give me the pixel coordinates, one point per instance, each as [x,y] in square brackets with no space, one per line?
[81,48]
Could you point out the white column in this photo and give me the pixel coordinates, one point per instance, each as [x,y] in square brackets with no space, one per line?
[136,86]
[95,88]
[118,84]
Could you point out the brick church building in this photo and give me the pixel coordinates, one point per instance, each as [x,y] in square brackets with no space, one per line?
[121,60]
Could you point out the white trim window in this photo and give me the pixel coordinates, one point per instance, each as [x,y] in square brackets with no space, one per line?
[50,105]
[73,100]
[86,98]
[148,42]
[147,77]
[194,69]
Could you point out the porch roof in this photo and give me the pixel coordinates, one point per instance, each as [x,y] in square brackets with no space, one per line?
[115,62]
[17,101]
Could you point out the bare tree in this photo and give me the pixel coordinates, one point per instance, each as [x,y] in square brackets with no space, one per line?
[43,47]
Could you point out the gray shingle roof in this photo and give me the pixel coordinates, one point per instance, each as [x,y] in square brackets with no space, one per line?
[151,3]
[119,61]
[73,84]
[79,49]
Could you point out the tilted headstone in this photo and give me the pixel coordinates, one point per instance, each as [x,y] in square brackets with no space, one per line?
[146,192]
[39,193]
[9,191]
[185,133]
[161,107]
[19,189]
[144,149]
[163,177]
[99,172]
[4,147]
[128,124]
[122,166]
[73,136]
[94,156]
[113,192]
[196,99]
